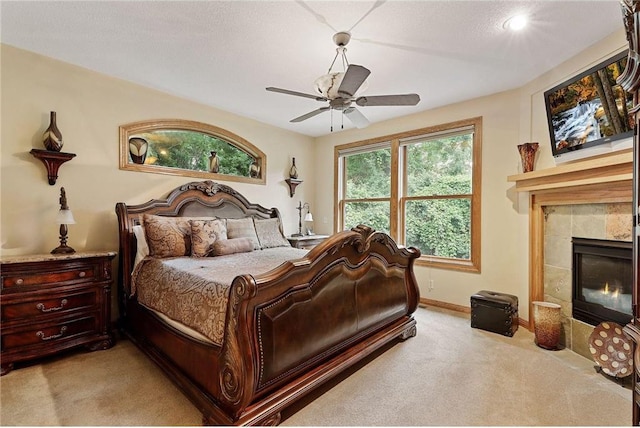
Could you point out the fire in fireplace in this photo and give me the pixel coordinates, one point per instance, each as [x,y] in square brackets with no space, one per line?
[602,281]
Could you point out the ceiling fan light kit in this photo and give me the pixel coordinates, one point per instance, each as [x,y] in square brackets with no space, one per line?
[340,88]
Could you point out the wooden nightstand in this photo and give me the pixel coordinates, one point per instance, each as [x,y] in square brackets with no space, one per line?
[49,303]
[306,242]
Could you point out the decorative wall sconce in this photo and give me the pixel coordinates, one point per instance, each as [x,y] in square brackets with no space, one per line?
[52,157]
[300,207]
[293,180]
[64,217]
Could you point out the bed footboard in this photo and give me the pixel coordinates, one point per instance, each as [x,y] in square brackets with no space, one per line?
[352,294]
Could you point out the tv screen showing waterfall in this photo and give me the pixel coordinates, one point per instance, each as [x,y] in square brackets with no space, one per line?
[590,109]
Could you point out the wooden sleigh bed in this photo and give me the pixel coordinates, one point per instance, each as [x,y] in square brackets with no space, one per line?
[287,330]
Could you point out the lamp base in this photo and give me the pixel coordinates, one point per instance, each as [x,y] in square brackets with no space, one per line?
[63,249]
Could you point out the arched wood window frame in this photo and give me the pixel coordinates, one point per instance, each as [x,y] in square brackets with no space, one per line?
[135,128]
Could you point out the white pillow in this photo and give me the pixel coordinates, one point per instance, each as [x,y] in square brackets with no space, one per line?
[142,250]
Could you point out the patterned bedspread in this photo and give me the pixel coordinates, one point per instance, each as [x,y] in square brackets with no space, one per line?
[195,291]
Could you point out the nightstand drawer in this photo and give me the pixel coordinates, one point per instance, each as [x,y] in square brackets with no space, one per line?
[40,304]
[49,303]
[44,278]
[50,333]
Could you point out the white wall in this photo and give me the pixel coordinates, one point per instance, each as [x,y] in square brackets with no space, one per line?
[90,107]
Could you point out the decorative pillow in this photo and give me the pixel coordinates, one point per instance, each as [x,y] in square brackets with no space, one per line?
[269,233]
[167,236]
[142,249]
[204,233]
[243,228]
[222,247]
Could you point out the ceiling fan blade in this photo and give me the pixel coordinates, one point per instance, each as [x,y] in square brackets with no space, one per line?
[353,79]
[389,100]
[310,114]
[356,117]
[297,94]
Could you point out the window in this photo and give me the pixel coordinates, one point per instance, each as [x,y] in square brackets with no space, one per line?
[421,187]
[187,148]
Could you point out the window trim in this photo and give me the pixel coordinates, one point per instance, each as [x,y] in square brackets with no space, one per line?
[129,129]
[398,187]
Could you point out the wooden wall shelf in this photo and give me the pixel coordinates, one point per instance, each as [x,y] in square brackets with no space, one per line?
[52,161]
[293,183]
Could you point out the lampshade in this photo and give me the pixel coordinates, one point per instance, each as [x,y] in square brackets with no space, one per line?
[308,217]
[65,217]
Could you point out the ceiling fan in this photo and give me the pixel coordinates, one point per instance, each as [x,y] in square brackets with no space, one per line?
[340,88]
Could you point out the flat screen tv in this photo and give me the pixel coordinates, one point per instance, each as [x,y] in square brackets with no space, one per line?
[589,113]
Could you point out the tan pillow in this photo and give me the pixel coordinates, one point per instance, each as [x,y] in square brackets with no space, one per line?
[243,228]
[142,248]
[223,247]
[269,233]
[204,233]
[167,236]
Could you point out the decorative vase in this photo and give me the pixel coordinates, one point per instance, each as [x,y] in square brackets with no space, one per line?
[547,325]
[138,148]
[293,172]
[214,163]
[52,138]
[254,170]
[528,155]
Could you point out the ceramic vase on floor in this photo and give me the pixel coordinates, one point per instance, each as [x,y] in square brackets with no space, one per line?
[528,155]
[547,324]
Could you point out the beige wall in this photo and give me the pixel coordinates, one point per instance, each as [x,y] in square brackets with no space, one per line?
[90,107]
[509,118]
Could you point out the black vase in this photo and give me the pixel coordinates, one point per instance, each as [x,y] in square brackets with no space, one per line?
[138,148]
[293,172]
[52,138]
[214,163]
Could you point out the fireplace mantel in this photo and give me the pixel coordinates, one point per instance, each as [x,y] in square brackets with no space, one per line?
[606,179]
[613,168]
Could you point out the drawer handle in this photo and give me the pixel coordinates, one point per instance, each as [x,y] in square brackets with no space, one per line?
[53,336]
[41,307]
[19,281]
[82,274]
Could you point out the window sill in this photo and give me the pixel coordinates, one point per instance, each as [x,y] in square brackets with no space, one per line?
[450,264]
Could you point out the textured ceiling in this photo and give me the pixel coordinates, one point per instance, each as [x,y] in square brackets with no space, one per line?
[224,53]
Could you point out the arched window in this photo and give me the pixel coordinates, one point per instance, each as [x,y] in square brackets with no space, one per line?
[192,149]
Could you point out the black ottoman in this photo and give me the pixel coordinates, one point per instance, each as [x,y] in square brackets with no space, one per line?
[495,312]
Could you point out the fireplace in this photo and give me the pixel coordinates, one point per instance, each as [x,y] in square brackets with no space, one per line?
[602,281]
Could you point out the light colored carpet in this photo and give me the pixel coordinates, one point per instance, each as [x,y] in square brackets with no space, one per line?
[449,374]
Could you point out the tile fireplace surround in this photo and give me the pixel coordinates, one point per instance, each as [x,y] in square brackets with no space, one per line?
[588,199]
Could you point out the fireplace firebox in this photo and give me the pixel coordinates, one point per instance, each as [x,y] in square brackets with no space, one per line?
[602,281]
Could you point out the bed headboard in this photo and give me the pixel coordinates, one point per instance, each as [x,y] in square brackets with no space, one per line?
[195,199]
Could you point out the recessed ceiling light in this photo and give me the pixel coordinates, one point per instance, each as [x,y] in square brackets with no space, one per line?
[515,23]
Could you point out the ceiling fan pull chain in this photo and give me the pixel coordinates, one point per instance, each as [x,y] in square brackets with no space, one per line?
[331,113]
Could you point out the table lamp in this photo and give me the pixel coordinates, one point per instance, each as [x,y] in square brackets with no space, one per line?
[63,218]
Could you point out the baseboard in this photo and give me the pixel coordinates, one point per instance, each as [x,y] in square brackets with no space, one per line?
[460,308]
[444,305]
